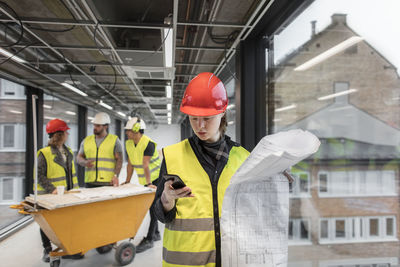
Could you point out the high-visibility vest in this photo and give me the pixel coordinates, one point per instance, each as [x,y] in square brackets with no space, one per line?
[190,238]
[55,172]
[135,155]
[104,159]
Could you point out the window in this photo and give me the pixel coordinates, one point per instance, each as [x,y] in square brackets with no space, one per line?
[333,70]
[8,189]
[323,183]
[351,229]
[301,185]
[324,229]
[340,228]
[11,90]
[12,137]
[8,135]
[357,183]
[389,227]
[299,231]
[12,149]
[373,227]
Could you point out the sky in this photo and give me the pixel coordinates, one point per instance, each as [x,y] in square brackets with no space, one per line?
[377,21]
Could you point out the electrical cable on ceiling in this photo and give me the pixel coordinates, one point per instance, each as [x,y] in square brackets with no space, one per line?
[110,90]
[16,53]
[20,25]
[70,74]
[54,30]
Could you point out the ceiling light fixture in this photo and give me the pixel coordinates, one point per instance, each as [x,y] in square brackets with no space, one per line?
[16,111]
[76,90]
[169,107]
[122,114]
[101,103]
[230,122]
[292,106]
[337,94]
[11,56]
[329,53]
[70,112]
[169,120]
[168,46]
[46,106]
[169,114]
[90,118]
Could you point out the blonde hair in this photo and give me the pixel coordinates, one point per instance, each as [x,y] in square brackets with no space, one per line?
[56,139]
[223,124]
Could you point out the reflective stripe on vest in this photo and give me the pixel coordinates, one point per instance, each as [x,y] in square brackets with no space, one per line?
[136,153]
[55,172]
[103,157]
[189,239]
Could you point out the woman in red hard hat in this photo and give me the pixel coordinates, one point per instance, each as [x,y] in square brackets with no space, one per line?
[55,168]
[205,163]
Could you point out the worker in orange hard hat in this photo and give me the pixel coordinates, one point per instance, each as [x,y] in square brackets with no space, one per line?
[55,168]
[194,176]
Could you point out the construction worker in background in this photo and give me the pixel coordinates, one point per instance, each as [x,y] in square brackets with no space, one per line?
[55,168]
[101,154]
[143,157]
[205,163]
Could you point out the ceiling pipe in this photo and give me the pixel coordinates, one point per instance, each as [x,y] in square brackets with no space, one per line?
[94,48]
[61,55]
[89,23]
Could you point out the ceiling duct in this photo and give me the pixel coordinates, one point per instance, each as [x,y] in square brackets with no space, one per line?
[149,72]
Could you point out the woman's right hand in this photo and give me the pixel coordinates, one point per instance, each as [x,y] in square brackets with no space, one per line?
[170,194]
[54,192]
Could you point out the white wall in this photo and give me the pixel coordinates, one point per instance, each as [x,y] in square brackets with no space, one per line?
[164,135]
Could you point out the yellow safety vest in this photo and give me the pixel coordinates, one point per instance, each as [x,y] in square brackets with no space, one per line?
[189,240]
[135,154]
[55,172]
[104,165]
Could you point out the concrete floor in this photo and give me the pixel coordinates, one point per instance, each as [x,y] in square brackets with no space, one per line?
[24,248]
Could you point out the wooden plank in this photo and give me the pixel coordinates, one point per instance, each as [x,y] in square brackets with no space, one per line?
[88,195]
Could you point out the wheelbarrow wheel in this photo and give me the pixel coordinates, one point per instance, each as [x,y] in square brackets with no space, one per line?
[125,253]
[55,263]
[104,249]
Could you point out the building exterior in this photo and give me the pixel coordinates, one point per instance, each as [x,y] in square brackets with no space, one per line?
[345,200]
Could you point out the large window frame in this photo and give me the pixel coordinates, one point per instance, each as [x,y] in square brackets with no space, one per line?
[354,185]
[358,229]
[296,187]
[11,90]
[18,139]
[295,227]
[17,187]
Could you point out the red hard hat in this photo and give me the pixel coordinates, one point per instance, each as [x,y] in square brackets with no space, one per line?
[205,95]
[56,125]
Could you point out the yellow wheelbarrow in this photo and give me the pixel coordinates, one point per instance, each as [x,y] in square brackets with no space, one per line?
[76,225]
